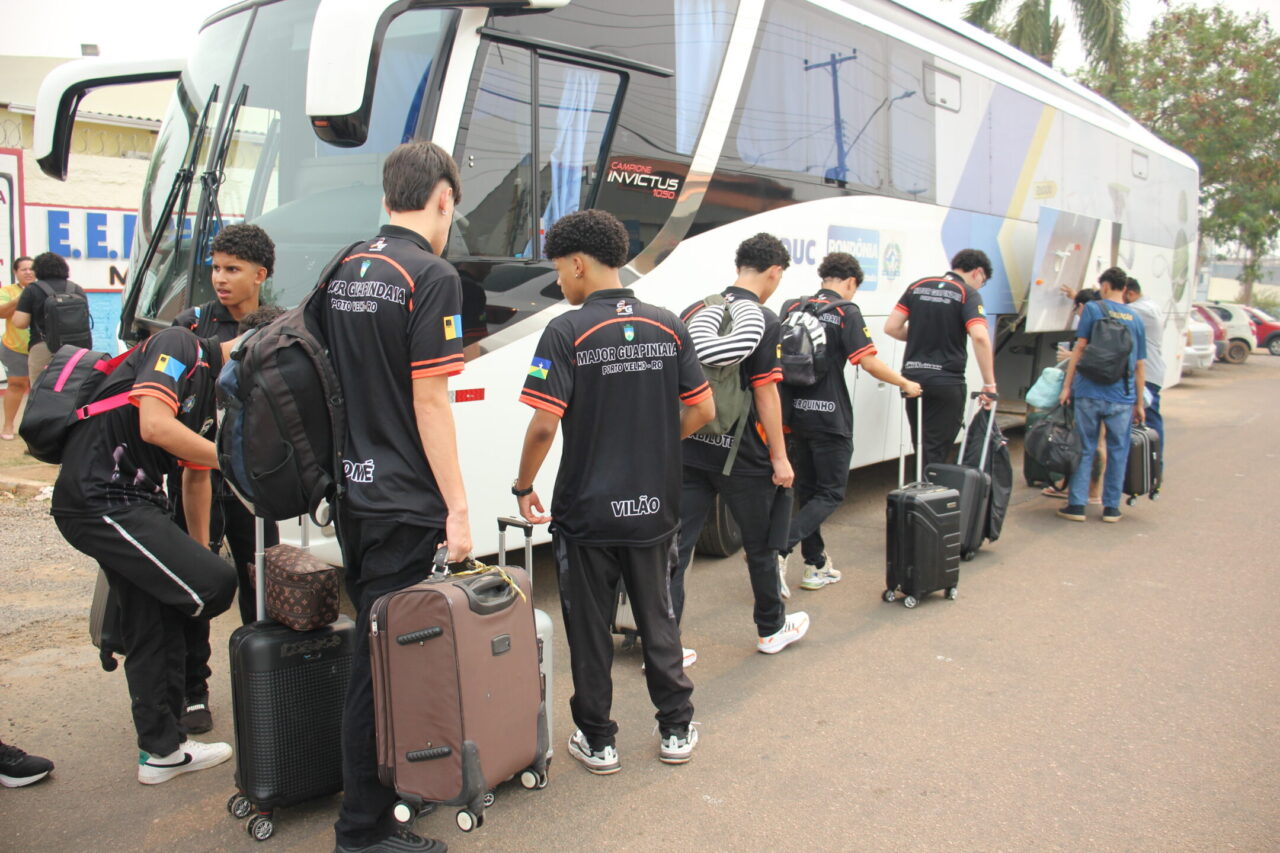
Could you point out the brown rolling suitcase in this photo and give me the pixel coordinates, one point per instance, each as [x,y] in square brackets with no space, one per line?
[458,697]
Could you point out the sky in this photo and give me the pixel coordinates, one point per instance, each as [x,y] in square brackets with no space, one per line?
[162,28]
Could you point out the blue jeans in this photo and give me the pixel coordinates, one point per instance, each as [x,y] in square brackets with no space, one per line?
[1091,413]
[1155,420]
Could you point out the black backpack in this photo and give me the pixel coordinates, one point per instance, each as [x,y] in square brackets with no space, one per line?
[804,344]
[1105,359]
[63,395]
[64,319]
[282,436]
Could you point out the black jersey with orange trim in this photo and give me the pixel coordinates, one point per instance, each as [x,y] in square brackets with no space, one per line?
[825,406]
[939,313]
[210,320]
[106,465]
[392,314]
[761,367]
[616,372]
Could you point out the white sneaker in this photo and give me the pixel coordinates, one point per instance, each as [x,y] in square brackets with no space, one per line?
[190,755]
[601,762]
[678,749]
[782,576]
[796,626]
[817,578]
[690,658]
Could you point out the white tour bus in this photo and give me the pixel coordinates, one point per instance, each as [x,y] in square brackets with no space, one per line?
[873,127]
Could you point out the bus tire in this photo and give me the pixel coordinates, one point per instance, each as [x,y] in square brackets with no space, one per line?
[720,534]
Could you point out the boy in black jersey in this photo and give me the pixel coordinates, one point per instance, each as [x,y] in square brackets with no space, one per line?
[761,466]
[622,379]
[243,258]
[109,503]
[934,317]
[393,322]
[819,418]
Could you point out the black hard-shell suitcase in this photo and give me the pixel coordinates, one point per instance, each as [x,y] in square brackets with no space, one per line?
[974,486]
[922,538]
[1144,470]
[288,689]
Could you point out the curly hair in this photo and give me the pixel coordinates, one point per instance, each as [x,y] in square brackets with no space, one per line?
[761,252]
[258,319]
[967,260]
[50,265]
[595,233]
[248,243]
[840,265]
[1114,277]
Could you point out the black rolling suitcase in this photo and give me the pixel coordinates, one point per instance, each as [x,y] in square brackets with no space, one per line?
[922,537]
[1144,469]
[974,486]
[104,623]
[288,689]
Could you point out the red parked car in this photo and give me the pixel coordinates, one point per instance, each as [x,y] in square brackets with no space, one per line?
[1267,329]
[1219,329]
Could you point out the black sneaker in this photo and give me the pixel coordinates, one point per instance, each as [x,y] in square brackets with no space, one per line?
[18,769]
[1111,514]
[197,719]
[403,841]
[1074,512]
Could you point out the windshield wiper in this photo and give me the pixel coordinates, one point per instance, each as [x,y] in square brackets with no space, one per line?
[179,192]
[211,181]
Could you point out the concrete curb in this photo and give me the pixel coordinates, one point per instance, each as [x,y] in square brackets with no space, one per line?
[22,488]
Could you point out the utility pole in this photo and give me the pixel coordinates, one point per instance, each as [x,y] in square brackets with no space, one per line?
[841,172]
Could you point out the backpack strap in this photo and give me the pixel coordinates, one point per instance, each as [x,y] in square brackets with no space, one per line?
[738,429]
[115,401]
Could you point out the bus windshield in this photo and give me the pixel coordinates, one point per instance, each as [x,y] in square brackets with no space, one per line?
[272,170]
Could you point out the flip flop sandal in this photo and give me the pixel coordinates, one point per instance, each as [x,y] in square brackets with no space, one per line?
[1052,492]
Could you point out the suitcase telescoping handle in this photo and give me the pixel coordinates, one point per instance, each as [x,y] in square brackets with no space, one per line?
[902,448]
[260,566]
[964,435]
[505,521]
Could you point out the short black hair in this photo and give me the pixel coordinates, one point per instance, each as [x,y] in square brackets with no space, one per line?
[1115,277]
[761,252]
[19,260]
[1131,284]
[967,260]
[411,173]
[596,233]
[840,265]
[1089,294]
[248,243]
[49,265]
[258,319]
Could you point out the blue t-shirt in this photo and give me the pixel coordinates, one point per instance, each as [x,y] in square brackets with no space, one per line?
[1122,390]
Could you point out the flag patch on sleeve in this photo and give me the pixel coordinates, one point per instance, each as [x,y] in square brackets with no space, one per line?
[453,327]
[169,366]
[540,368]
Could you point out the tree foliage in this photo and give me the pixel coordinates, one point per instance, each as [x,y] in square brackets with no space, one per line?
[1208,82]
[1035,30]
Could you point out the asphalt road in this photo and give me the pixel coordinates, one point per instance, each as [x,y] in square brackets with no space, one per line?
[1095,687]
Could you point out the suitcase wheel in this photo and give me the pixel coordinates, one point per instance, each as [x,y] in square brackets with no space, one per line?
[889,596]
[469,820]
[531,779]
[489,798]
[968,555]
[1133,499]
[260,827]
[952,593]
[239,806]
[909,602]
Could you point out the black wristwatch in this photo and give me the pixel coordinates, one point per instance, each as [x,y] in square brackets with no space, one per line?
[520,492]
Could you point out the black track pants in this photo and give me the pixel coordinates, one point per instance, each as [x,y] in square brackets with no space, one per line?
[588,581]
[163,580]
